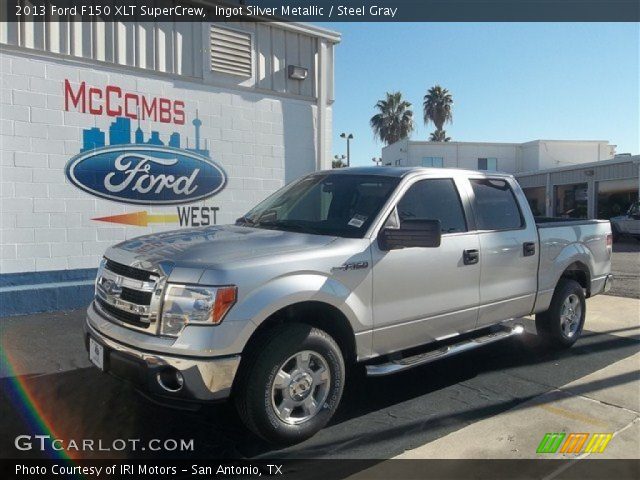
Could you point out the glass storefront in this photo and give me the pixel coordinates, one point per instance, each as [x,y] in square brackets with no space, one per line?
[571,201]
[615,197]
[597,192]
[537,200]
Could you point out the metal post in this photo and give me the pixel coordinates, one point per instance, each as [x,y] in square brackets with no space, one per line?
[348,137]
[348,152]
[549,194]
[592,196]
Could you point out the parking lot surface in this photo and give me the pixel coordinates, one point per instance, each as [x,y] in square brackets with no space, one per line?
[625,266]
[45,374]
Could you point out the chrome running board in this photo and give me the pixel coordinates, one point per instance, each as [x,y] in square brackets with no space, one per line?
[445,351]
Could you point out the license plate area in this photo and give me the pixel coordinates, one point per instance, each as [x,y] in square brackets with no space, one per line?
[96,353]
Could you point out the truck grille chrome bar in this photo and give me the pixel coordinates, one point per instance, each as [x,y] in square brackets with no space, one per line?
[129,296]
[127,271]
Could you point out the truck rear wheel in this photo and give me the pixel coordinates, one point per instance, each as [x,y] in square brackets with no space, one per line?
[561,325]
[290,383]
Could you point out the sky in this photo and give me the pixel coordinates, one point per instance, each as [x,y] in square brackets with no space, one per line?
[511,82]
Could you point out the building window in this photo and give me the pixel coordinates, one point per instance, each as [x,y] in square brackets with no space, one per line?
[497,208]
[615,197]
[489,164]
[399,162]
[537,198]
[230,51]
[435,162]
[571,201]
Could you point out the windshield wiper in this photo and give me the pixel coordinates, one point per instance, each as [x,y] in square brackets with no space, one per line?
[244,220]
[288,225]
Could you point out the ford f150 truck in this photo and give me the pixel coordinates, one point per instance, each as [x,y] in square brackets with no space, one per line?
[389,268]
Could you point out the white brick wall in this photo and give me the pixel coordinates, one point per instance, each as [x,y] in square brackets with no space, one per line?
[47,222]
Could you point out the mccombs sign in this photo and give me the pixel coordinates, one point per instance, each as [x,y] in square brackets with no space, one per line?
[130,168]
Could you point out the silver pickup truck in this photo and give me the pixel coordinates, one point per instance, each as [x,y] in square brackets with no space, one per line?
[390,268]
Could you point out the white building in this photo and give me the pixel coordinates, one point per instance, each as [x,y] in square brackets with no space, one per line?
[563,178]
[224,97]
[503,157]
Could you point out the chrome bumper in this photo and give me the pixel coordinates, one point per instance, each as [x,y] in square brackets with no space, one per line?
[204,379]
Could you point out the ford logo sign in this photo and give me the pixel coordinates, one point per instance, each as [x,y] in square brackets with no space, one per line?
[146,174]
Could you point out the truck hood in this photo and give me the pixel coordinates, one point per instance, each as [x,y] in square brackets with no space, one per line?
[206,247]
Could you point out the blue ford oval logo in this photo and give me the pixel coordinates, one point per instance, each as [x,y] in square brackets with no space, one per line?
[146,174]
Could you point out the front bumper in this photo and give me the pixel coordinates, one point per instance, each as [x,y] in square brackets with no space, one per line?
[204,379]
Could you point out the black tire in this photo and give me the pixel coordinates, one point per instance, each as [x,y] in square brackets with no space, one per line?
[254,396]
[549,324]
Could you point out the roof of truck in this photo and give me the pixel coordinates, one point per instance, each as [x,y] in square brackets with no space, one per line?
[404,171]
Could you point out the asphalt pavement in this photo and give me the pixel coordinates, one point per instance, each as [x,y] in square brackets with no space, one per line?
[625,267]
[45,374]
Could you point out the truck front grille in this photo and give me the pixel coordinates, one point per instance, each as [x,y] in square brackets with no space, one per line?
[136,296]
[129,296]
[125,317]
[127,271]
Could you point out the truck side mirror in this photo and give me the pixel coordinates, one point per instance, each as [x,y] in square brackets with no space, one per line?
[412,233]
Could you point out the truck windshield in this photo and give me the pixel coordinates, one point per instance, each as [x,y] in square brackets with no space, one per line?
[342,205]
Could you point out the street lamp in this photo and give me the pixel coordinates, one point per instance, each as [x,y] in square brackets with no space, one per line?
[348,137]
[377,160]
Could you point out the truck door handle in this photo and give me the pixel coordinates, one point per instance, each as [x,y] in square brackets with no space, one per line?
[470,257]
[528,249]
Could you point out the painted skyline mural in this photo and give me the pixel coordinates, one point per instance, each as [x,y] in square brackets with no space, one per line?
[120,134]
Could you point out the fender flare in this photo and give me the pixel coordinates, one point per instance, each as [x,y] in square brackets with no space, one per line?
[578,255]
[284,291]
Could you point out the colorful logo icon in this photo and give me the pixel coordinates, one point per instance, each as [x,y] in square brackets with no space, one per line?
[144,172]
[574,442]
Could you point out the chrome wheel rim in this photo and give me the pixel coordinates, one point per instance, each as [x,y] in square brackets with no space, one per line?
[300,387]
[570,315]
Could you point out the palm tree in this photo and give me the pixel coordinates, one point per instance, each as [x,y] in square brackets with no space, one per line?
[437,105]
[394,120]
[337,162]
[439,136]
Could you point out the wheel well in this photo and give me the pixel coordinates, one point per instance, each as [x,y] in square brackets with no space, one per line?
[579,272]
[317,314]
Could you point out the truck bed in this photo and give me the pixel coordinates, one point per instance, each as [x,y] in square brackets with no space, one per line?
[546,222]
[567,241]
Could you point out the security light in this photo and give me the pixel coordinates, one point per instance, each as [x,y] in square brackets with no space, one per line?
[297,73]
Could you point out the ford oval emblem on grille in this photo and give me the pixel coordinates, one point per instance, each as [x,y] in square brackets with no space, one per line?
[146,174]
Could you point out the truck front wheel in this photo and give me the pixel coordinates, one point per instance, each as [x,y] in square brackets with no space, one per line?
[290,383]
[562,324]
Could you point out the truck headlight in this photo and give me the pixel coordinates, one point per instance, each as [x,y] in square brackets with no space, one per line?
[195,305]
[101,266]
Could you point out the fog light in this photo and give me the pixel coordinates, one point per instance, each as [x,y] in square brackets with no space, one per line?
[170,379]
